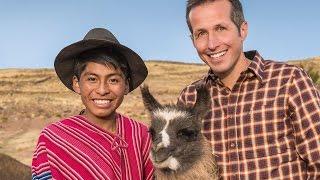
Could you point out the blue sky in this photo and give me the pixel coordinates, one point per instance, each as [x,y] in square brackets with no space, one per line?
[33,32]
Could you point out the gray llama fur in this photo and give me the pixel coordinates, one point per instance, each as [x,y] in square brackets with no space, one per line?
[185,143]
[11,169]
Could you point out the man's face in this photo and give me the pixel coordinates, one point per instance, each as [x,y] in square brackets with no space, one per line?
[102,89]
[216,37]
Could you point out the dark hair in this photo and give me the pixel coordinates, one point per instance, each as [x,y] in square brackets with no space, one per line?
[236,14]
[101,56]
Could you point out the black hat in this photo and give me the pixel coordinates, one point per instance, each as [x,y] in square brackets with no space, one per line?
[99,38]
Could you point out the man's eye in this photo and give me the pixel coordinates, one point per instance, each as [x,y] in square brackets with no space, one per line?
[220,28]
[199,34]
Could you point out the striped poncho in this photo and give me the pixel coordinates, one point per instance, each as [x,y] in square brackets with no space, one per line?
[74,148]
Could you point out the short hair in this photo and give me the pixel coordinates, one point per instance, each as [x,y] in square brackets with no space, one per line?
[101,56]
[236,14]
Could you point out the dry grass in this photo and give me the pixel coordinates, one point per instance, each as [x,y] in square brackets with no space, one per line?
[311,66]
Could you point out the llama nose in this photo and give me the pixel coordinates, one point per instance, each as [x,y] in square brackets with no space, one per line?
[164,149]
[162,154]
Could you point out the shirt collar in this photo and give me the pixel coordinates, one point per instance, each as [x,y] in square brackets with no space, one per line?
[117,139]
[256,67]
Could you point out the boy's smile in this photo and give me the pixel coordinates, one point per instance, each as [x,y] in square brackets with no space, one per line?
[102,88]
[102,102]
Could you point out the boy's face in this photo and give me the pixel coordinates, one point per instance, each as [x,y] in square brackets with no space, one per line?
[102,88]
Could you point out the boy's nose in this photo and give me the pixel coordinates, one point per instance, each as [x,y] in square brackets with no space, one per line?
[103,89]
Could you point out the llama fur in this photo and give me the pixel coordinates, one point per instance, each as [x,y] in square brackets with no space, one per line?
[179,150]
[11,169]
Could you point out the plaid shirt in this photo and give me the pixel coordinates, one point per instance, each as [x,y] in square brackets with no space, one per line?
[267,126]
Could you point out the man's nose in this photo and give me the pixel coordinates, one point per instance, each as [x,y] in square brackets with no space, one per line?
[213,41]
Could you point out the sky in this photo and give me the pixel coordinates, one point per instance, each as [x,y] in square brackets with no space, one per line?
[33,32]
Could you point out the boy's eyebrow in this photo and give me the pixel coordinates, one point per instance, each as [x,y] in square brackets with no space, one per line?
[90,73]
[94,74]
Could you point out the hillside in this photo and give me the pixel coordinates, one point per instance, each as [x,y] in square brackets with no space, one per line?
[310,62]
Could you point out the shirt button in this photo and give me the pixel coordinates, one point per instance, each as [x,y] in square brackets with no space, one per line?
[233,145]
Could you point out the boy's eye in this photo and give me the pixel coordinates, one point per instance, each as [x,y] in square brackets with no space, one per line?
[114,80]
[90,78]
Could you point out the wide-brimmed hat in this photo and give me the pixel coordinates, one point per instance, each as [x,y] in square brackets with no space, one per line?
[99,38]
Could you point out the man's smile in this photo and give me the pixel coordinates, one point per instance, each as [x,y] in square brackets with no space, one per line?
[217,54]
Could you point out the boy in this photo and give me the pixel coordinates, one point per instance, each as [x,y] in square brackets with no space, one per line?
[99,143]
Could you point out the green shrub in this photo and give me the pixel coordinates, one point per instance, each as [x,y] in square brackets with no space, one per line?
[312,71]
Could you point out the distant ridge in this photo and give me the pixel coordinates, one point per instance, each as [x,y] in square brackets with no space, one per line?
[173,62]
[292,61]
[305,60]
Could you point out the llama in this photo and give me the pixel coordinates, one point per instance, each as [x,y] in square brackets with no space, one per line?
[179,150]
[10,168]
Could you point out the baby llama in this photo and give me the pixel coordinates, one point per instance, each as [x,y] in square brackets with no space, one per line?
[179,150]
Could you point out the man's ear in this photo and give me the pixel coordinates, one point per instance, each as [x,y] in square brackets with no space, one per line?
[244,30]
[75,84]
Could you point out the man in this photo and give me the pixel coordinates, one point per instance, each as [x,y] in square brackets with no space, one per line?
[265,117]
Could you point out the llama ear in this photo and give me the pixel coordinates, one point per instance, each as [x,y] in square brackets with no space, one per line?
[181,105]
[203,102]
[148,100]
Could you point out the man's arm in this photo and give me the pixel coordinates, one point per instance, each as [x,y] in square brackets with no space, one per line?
[304,102]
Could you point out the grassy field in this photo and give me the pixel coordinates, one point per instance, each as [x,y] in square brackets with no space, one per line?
[32,98]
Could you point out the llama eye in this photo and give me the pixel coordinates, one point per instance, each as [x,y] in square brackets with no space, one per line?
[152,133]
[188,134]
